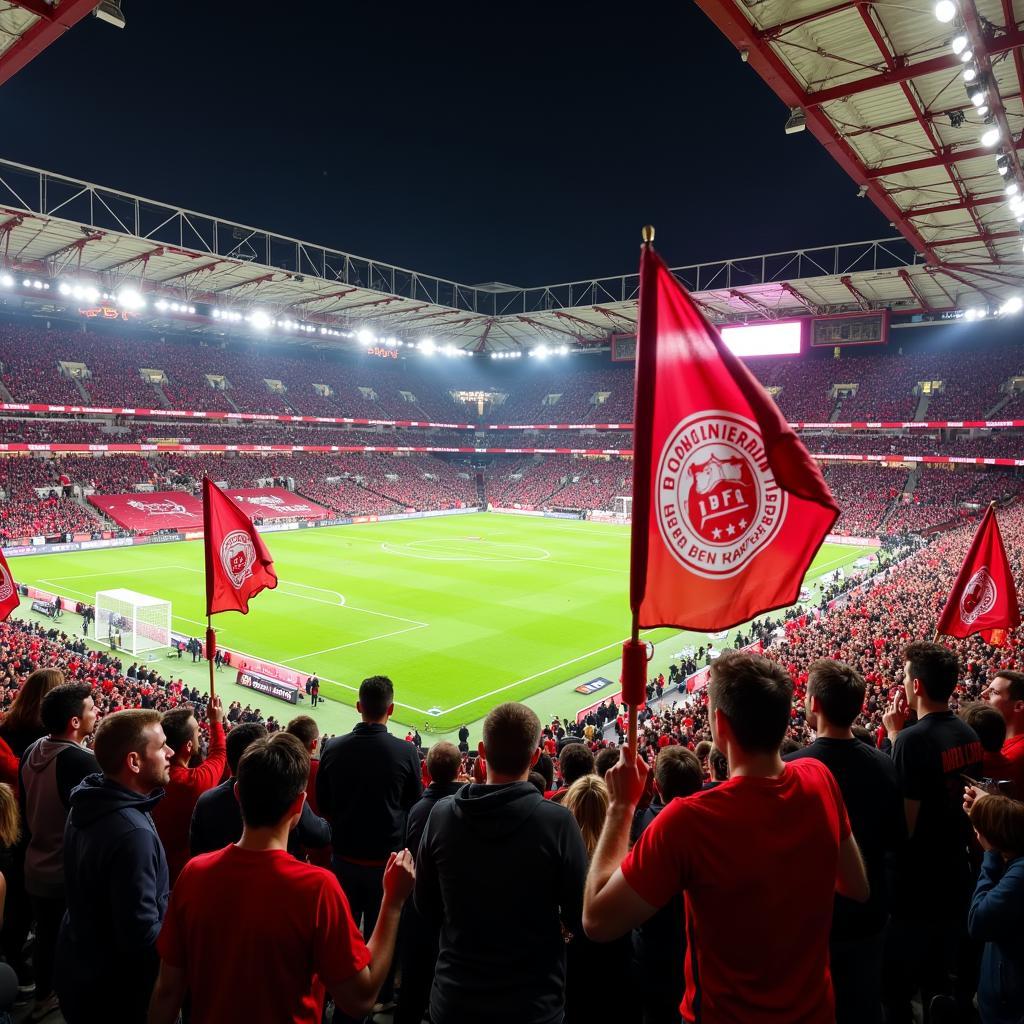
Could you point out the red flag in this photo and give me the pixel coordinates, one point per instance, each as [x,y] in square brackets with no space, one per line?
[984,597]
[729,510]
[238,564]
[9,599]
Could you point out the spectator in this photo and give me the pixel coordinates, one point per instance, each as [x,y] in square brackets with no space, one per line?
[299,932]
[574,761]
[867,781]
[1005,692]
[50,769]
[740,852]
[116,872]
[10,832]
[605,758]
[173,815]
[718,766]
[589,965]
[500,874]
[419,942]
[217,818]
[997,908]
[990,726]
[659,944]
[23,723]
[308,732]
[366,784]
[928,935]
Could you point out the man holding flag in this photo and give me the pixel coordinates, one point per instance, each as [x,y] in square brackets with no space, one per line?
[729,510]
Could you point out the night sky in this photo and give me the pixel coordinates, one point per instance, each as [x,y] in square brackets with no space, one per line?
[526,146]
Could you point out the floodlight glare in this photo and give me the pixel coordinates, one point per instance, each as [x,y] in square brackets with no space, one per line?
[959,43]
[1012,305]
[945,11]
[259,320]
[129,298]
[991,137]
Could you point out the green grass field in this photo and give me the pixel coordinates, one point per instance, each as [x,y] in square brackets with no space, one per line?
[461,611]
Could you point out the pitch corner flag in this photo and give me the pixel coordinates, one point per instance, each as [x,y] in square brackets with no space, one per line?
[729,509]
[9,599]
[984,597]
[238,564]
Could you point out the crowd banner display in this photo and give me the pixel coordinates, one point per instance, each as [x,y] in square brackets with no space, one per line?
[276,503]
[148,513]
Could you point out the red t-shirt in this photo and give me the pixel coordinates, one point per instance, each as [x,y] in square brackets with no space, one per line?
[757,860]
[1013,751]
[262,956]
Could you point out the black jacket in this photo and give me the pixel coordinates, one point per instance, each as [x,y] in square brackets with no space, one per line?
[367,781]
[217,822]
[117,889]
[499,870]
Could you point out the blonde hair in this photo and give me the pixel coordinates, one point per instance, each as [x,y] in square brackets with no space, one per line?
[587,802]
[10,819]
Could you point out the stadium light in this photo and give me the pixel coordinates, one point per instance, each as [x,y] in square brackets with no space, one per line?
[959,43]
[966,56]
[541,351]
[945,11]
[970,73]
[365,336]
[977,91]
[259,320]
[129,298]
[991,136]
[1012,306]
[6,281]
[427,346]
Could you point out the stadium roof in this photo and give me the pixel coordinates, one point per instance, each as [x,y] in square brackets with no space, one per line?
[65,230]
[27,27]
[882,87]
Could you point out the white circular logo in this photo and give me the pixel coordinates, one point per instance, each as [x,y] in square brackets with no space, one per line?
[6,584]
[979,597]
[238,556]
[718,502]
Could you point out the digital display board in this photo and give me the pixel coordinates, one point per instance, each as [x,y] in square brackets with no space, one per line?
[623,348]
[774,339]
[850,329]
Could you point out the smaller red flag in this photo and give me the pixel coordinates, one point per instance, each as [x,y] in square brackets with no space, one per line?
[238,564]
[9,599]
[984,597]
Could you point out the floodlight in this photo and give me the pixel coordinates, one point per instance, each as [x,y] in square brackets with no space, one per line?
[1012,305]
[991,136]
[259,320]
[427,346]
[959,43]
[945,11]
[970,73]
[966,56]
[6,281]
[129,298]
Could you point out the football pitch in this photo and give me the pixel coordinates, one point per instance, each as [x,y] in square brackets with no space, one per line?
[460,611]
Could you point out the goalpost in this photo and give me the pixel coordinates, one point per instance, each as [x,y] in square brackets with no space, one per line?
[132,622]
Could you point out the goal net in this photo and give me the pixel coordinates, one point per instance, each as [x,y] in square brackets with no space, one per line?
[132,622]
[623,506]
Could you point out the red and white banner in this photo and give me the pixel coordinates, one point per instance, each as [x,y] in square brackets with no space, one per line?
[276,503]
[149,512]
[9,599]
[984,597]
[729,509]
[238,564]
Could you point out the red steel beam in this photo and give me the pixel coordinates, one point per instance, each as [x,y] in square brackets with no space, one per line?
[946,158]
[800,297]
[774,31]
[39,36]
[913,289]
[985,236]
[376,302]
[78,243]
[991,296]
[242,284]
[992,45]
[547,327]
[862,300]
[619,320]
[760,55]
[875,29]
[36,7]
[759,307]
[143,257]
[928,211]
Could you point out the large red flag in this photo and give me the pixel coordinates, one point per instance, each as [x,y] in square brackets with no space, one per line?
[984,597]
[238,564]
[9,599]
[729,510]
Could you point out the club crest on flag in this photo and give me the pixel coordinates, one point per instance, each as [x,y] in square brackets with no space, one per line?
[6,583]
[237,556]
[718,502]
[979,596]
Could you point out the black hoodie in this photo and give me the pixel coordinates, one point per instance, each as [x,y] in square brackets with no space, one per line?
[117,889]
[499,871]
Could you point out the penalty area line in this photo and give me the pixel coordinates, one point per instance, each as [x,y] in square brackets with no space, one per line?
[353,643]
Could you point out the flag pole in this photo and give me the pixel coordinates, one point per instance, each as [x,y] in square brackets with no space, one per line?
[211,651]
[634,653]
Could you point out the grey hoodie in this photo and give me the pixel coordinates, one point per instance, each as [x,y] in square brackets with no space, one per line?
[49,770]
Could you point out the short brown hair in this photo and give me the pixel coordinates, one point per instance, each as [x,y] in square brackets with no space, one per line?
[575,761]
[756,696]
[121,734]
[176,727]
[305,728]
[511,734]
[1016,681]
[936,666]
[987,722]
[443,761]
[678,772]
[1001,821]
[838,688]
[607,757]
[271,775]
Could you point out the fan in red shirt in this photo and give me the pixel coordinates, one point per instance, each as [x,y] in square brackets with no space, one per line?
[271,957]
[173,815]
[1005,693]
[771,845]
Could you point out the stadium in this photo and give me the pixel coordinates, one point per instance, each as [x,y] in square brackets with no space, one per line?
[443,476]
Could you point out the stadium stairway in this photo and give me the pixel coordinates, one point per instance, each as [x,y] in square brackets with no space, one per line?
[921,412]
[481,490]
[837,410]
[997,408]
[162,396]
[5,395]
[86,397]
